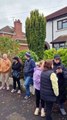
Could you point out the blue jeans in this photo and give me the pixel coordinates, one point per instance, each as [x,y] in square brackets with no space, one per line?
[27,83]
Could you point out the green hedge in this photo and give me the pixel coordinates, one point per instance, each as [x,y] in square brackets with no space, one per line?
[22,55]
[49,54]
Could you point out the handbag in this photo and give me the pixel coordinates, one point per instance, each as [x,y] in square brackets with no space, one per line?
[16,74]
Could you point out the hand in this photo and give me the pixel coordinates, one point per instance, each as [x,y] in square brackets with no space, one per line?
[59,70]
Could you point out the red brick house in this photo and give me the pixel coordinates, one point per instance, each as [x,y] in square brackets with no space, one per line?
[15,33]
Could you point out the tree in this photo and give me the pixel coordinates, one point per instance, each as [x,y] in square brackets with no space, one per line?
[9,46]
[36,32]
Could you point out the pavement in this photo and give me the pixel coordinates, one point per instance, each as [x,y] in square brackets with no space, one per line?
[14,107]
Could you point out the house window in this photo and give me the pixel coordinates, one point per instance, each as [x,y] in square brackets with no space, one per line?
[59,25]
[56,46]
[61,45]
[65,24]
[62,24]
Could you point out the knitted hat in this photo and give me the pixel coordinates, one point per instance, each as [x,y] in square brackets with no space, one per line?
[56,57]
[28,54]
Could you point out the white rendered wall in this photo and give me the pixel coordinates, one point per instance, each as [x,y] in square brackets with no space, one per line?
[56,33]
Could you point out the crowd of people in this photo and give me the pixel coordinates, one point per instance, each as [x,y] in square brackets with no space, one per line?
[47,77]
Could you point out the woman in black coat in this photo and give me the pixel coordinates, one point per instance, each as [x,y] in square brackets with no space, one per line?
[49,88]
[16,70]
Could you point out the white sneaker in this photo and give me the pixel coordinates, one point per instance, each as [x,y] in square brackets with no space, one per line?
[36,111]
[42,112]
[7,88]
[2,88]
[26,97]
[13,90]
[19,91]
[63,112]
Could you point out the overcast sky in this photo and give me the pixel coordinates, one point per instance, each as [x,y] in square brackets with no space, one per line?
[20,9]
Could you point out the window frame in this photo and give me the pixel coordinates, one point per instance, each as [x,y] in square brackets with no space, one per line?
[62,22]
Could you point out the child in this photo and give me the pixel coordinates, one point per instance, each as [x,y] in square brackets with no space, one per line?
[36,79]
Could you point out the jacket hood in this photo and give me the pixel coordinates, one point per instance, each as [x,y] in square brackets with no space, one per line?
[37,68]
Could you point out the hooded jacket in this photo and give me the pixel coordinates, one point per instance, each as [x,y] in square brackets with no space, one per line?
[36,77]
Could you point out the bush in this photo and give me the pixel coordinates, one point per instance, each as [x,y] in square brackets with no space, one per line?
[9,46]
[49,54]
[22,55]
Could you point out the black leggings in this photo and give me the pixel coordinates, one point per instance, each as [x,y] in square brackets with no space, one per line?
[14,83]
[38,99]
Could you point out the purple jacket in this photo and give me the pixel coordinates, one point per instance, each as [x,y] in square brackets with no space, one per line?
[36,77]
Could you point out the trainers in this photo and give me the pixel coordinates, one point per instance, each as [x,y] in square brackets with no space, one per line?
[2,88]
[63,112]
[19,91]
[26,97]
[42,112]
[36,111]
[7,88]
[13,90]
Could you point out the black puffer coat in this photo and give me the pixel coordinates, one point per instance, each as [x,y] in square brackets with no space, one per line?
[46,90]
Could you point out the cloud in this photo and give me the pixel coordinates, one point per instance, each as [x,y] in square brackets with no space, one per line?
[20,9]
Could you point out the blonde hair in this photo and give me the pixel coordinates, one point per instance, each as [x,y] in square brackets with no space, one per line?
[40,63]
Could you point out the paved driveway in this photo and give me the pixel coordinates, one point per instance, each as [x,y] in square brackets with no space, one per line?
[14,107]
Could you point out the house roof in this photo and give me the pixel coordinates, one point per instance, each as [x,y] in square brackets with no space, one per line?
[60,39]
[7,29]
[57,14]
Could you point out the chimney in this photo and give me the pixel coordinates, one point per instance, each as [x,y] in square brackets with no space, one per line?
[18,28]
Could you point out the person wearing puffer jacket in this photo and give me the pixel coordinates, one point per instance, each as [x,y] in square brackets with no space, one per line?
[49,89]
[28,73]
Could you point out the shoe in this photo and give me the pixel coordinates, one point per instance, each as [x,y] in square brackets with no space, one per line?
[26,97]
[2,88]
[19,91]
[13,90]
[63,112]
[36,111]
[7,88]
[42,112]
